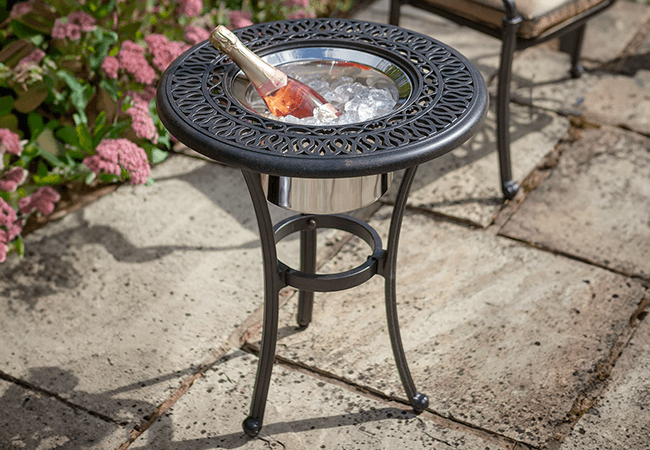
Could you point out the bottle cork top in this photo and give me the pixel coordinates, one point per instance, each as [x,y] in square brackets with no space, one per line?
[223,39]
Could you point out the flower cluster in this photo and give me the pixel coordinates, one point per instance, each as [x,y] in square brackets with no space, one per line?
[191,8]
[141,120]
[113,155]
[132,59]
[164,52]
[42,200]
[73,25]
[10,227]
[194,35]
[9,142]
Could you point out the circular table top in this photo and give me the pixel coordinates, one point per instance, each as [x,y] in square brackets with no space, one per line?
[446,107]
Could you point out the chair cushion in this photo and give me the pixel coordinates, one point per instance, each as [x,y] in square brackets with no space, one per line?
[538,15]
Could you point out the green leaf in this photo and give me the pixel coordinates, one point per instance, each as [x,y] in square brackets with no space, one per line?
[35,123]
[42,169]
[79,96]
[158,155]
[100,122]
[105,40]
[49,145]
[111,87]
[19,246]
[85,139]
[129,30]
[90,177]
[21,30]
[149,182]
[6,104]
[9,121]
[49,157]
[50,179]
[68,135]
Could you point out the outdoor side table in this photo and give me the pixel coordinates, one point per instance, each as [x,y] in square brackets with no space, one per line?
[442,103]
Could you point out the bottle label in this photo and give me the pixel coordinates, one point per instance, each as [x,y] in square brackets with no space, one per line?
[275,81]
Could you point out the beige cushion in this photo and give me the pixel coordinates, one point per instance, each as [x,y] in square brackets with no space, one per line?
[538,15]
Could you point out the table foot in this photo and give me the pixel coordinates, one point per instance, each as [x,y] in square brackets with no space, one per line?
[251,426]
[419,402]
[510,189]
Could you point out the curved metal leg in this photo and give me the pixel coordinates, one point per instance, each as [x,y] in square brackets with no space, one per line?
[272,285]
[418,401]
[510,27]
[307,265]
[571,43]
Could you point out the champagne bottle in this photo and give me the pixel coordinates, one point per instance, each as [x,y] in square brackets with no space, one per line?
[282,94]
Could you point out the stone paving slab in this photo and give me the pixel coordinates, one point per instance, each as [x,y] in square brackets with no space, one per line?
[465,183]
[128,295]
[499,335]
[622,102]
[32,420]
[609,34]
[541,80]
[303,412]
[621,419]
[595,203]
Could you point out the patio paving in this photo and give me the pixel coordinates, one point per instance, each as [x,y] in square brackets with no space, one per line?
[133,322]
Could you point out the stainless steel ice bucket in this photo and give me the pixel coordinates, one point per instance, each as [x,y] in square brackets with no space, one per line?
[327,195]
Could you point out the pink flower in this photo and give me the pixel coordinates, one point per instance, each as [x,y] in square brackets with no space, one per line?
[194,35]
[302,14]
[10,181]
[20,9]
[34,57]
[42,200]
[10,227]
[191,8]
[110,66]
[10,142]
[141,121]
[131,58]
[62,30]
[239,19]
[115,154]
[296,3]
[164,52]
[59,31]
[85,21]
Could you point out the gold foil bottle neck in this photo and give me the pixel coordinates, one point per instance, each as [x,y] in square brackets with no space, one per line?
[223,39]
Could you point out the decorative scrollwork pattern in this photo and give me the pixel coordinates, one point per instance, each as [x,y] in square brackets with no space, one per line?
[443,89]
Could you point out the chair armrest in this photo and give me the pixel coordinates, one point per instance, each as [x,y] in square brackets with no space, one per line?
[511,9]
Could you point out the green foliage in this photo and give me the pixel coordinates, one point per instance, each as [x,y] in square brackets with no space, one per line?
[60,100]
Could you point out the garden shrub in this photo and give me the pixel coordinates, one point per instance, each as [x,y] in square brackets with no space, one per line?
[77,85]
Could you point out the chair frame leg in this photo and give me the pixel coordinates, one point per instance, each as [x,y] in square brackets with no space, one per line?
[394,14]
[509,44]
[571,43]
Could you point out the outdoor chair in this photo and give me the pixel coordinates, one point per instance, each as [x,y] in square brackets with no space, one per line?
[519,24]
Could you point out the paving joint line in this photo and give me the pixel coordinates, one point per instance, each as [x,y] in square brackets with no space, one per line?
[645,282]
[374,394]
[29,386]
[595,387]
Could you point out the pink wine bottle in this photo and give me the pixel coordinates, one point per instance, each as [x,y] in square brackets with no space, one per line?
[282,94]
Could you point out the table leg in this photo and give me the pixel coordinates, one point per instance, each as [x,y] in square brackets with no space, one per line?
[307,265]
[418,401]
[272,285]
